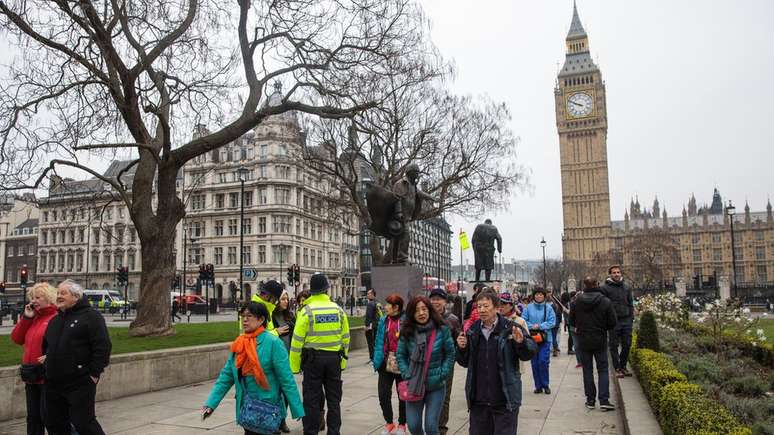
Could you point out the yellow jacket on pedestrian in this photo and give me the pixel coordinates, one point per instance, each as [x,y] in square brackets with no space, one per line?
[320,325]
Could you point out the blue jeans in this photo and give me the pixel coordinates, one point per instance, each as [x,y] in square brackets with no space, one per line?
[621,337]
[555,337]
[431,404]
[540,365]
[600,357]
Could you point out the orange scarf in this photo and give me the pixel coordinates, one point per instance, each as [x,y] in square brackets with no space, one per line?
[246,355]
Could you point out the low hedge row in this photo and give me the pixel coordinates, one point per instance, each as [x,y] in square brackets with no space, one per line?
[682,408]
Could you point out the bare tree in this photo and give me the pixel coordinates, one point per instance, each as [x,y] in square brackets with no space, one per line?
[652,253]
[464,147]
[558,271]
[134,77]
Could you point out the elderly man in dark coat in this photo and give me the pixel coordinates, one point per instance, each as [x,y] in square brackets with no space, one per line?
[483,247]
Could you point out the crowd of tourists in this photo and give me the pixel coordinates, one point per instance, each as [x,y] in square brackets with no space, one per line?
[413,346]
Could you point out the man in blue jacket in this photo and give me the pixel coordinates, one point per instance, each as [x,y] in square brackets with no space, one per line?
[491,350]
[541,320]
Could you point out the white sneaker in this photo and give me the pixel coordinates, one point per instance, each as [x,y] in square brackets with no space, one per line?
[400,430]
[388,429]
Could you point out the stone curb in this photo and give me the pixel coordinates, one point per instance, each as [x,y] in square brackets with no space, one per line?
[646,422]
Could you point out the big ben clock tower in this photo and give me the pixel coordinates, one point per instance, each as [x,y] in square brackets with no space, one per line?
[581,120]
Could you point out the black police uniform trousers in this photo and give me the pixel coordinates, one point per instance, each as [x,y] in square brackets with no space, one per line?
[72,403]
[322,382]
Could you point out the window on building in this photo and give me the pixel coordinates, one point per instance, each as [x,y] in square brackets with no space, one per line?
[232,255]
[281,224]
[280,254]
[716,237]
[222,177]
[282,196]
[762,275]
[759,236]
[197,229]
[197,202]
[263,196]
[218,255]
[79,261]
[131,261]
[132,235]
[94,262]
[106,261]
[739,253]
[248,199]
[261,254]
[263,171]
[119,259]
[760,252]
[232,227]
[119,235]
[695,239]
[247,254]
[95,236]
[306,256]
[282,150]
[81,235]
[11,251]
[233,199]
[247,227]
[261,225]
[739,274]
[108,213]
[319,259]
[53,216]
[42,263]
[314,232]
[218,228]
[314,257]
[306,228]
[220,200]
[717,254]
[263,151]
[283,172]
[45,216]
[44,237]
[298,227]
[697,255]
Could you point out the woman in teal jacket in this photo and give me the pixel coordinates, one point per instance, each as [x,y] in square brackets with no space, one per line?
[258,366]
[420,321]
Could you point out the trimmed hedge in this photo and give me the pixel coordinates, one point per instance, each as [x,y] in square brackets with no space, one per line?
[685,410]
[648,332]
[682,408]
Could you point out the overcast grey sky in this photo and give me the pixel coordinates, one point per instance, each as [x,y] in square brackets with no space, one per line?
[689,94]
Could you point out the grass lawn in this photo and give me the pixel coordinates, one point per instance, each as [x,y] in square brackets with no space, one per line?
[768,328]
[187,334]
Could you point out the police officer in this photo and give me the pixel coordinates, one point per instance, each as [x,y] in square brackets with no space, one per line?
[268,295]
[319,347]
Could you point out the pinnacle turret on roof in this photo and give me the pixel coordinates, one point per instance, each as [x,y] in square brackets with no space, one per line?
[576,28]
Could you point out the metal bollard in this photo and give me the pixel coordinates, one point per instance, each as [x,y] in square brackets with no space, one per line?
[14,316]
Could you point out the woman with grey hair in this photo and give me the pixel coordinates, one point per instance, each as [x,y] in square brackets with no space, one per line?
[29,332]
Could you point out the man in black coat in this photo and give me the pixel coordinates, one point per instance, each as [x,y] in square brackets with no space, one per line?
[592,315]
[77,350]
[371,322]
[623,303]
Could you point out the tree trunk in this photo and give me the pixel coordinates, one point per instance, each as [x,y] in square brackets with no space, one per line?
[158,266]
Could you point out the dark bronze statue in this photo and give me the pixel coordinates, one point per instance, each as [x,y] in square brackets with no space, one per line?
[391,211]
[483,248]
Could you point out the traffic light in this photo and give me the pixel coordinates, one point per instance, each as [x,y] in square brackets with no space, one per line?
[23,275]
[177,282]
[296,274]
[122,275]
[202,272]
[210,273]
[290,275]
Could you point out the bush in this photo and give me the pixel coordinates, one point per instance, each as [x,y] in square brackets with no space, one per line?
[683,409]
[750,386]
[648,332]
[700,368]
[655,370]
[763,428]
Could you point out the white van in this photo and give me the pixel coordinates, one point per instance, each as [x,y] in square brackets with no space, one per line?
[105,299]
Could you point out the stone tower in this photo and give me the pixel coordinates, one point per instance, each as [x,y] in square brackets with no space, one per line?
[581,120]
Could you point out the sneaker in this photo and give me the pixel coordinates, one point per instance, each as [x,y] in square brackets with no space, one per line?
[619,374]
[627,373]
[590,405]
[556,352]
[570,352]
[388,428]
[547,390]
[606,406]
[400,430]
[578,366]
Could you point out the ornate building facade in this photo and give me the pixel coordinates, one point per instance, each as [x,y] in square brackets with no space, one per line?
[581,120]
[701,239]
[286,218]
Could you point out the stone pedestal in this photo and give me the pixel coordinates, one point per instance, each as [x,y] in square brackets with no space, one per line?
[403,279]
[724,287]
[680,287]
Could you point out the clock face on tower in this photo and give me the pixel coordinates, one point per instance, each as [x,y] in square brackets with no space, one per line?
[580,104]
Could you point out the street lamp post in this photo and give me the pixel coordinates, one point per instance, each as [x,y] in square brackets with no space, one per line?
[730,211]
[543,245]
[242,177]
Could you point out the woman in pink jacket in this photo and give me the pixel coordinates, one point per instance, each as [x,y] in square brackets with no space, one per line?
[29,332]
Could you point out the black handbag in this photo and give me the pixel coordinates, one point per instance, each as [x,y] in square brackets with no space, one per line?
[32,373]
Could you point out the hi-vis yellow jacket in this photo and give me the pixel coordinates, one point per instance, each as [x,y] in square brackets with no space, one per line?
[320,325]
[270,308]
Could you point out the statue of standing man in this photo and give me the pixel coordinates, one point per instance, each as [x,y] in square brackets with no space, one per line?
[483,248]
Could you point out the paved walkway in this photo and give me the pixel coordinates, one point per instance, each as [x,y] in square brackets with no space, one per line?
[176,411]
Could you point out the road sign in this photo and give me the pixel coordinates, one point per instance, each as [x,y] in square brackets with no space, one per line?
[250,274]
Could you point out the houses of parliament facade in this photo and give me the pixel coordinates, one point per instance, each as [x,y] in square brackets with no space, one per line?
[701,235]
